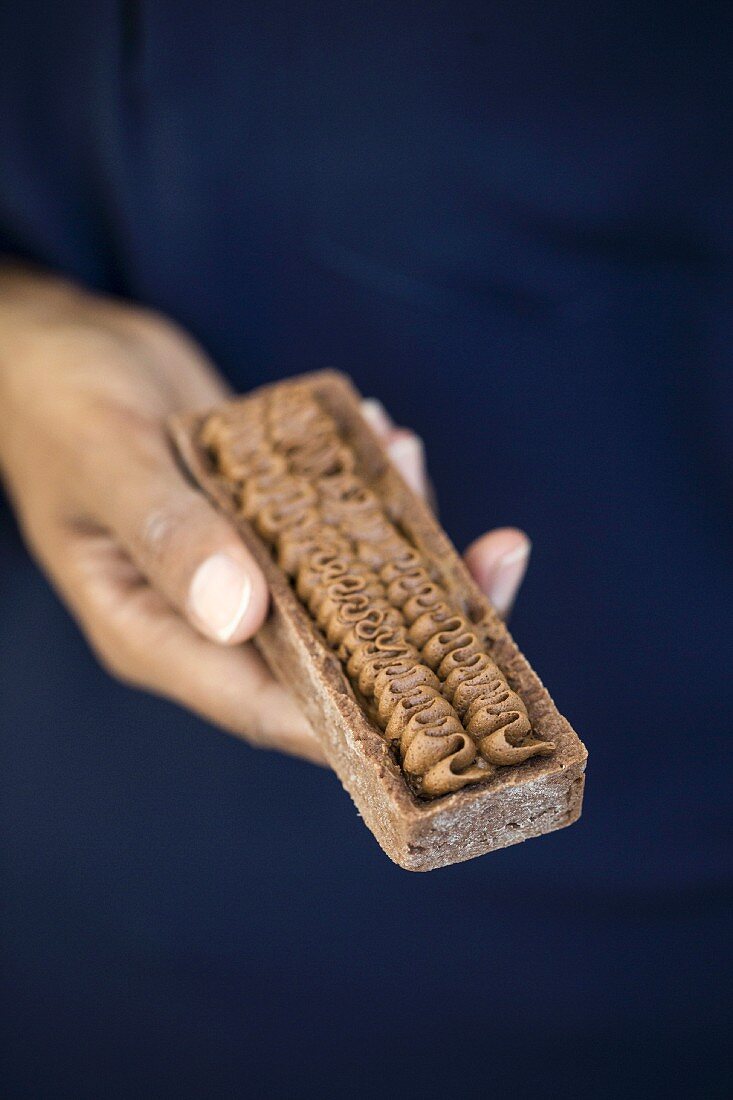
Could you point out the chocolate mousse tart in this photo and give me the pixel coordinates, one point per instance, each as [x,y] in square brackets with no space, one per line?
[431,717]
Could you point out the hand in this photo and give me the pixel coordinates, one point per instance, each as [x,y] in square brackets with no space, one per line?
[160,583]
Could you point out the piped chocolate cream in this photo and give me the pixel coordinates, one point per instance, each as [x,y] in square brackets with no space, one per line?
[415,663]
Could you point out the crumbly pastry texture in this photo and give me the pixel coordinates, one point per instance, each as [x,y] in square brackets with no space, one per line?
[378,628]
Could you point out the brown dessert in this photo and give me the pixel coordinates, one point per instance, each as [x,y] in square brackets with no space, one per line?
[434,722]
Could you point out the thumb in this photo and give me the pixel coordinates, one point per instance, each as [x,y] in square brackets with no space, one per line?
[188,551]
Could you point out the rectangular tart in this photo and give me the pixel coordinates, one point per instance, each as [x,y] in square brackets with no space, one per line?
[432,719]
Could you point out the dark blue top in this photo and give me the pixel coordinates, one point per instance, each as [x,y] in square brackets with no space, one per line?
[511,222]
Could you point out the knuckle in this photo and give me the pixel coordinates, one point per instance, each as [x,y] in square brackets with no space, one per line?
[168,537]
[243,713]
[116,657]
[135,429]
[244,724]
[254,732]
[159,529]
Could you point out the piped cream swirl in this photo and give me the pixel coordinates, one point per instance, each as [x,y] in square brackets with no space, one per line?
[415,662]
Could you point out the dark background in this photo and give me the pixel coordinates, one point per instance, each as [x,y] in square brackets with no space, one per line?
[511,222]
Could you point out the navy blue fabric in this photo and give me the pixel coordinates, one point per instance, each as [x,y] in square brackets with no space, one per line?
[511,223]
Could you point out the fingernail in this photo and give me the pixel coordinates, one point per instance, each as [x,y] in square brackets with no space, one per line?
[408,454]
[507,576]
[219,595]
[376,415]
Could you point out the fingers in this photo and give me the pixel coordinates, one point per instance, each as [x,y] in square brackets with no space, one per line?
[186,549]
[404,447]
[143,642]
[498,561]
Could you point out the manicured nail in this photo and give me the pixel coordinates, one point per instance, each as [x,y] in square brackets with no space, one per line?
[408,454]
[376,415]
[219,595]
[507,576]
